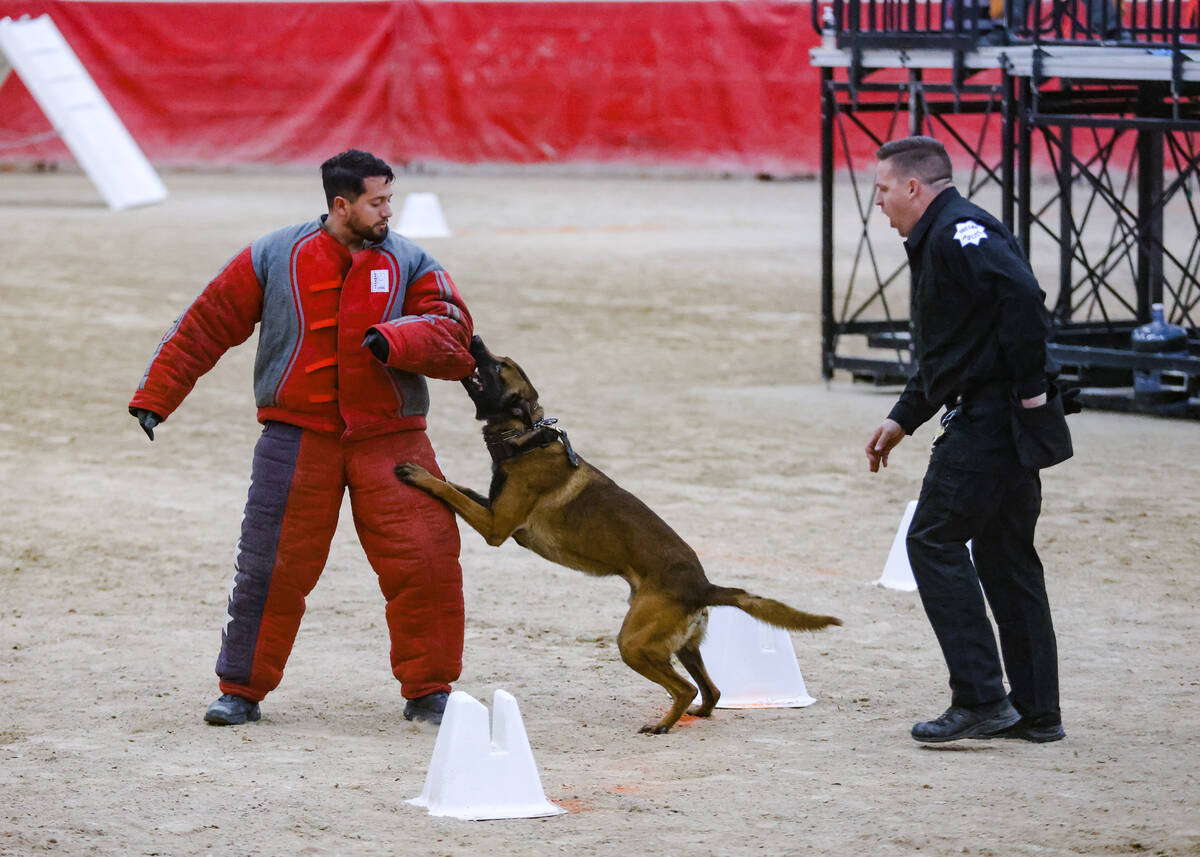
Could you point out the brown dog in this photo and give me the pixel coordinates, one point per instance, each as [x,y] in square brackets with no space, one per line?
[557,505]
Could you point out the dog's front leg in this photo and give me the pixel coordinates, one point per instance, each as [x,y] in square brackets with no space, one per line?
[495,522]
[476,514]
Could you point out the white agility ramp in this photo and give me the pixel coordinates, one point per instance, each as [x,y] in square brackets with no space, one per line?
[476,776]
[752,663]
[79,112]
[422,217]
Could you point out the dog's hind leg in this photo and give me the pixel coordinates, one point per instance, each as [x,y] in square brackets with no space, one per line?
[689,656]
[647,640]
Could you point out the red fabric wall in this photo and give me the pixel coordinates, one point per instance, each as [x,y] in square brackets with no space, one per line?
[709,85]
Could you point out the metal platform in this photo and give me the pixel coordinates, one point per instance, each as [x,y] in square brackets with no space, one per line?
[1087,62]
[1087,148]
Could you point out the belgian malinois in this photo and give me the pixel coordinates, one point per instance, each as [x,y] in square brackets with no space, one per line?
[554,503]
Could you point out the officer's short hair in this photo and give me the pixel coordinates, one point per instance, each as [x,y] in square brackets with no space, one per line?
[343,174]
[920,157]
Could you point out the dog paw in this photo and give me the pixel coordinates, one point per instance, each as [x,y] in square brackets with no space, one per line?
[654,729]
[410,473]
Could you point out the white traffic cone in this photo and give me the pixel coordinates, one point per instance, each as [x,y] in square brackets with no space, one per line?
[473,776]
[897,572]
[422,217]
[752,663]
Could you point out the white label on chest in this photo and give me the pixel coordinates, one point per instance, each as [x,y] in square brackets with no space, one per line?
[969,232]
[379,281]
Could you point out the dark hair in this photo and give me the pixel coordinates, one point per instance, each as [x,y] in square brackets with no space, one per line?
[342,175]
[921,157]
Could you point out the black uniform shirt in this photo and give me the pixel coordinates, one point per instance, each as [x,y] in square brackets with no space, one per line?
[979,319]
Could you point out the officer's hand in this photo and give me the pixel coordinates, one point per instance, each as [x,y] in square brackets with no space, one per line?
[378,345]
[1070,400]
[147,420]
[883,439]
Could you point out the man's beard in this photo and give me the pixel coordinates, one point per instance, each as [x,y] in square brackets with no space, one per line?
[370,233]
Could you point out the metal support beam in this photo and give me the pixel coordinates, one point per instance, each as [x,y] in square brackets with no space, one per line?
[1150,218]
[1066,227]
[916,102]
[1024,173]
[828,111]
[1008,139]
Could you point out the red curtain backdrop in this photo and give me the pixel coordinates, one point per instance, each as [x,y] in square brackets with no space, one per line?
[705,85]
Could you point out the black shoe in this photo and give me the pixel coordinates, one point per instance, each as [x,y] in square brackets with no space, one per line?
[428,708]
[958,721]
[1028,729]
[230,710]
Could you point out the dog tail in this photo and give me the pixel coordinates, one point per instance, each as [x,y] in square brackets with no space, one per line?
[768,610]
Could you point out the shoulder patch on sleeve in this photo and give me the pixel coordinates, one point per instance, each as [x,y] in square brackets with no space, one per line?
[969,232]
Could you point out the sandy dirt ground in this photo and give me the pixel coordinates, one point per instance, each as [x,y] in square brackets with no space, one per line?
[671,326]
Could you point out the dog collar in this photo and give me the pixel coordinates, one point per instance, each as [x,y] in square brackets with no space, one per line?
[510,444]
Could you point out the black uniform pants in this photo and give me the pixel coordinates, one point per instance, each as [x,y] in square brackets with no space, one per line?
[976,490]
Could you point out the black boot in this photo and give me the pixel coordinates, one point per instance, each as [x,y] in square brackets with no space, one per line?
[1038,730]
[958,721]
[230,710]
[428,708]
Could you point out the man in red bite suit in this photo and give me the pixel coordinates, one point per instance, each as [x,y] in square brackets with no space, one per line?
[351,320]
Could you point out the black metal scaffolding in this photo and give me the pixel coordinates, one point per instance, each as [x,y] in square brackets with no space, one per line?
[1079,128]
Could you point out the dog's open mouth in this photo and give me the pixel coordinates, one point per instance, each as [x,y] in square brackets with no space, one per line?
[472,382]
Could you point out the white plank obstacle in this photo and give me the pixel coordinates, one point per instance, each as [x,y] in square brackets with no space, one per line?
[475,776]
[36,50]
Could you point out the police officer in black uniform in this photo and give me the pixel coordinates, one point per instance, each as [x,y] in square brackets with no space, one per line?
[979,327]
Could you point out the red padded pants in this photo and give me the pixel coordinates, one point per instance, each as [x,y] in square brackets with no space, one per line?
[411,540]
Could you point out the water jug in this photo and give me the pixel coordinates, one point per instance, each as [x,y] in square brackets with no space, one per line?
[1159,336]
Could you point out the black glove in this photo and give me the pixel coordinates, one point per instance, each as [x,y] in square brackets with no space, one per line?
[378,345]
[1070,400]
[147,420]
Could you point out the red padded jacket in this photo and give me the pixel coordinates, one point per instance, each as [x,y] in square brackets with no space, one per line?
[314,301]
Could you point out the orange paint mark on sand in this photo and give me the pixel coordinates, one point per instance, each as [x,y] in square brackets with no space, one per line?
[574,806]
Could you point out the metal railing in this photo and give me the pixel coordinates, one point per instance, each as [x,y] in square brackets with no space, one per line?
[912,23]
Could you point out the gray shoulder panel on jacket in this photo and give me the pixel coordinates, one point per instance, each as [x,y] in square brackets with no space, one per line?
[265,251]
